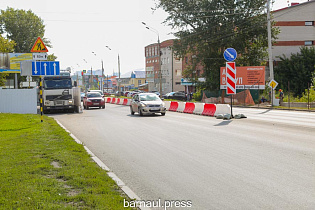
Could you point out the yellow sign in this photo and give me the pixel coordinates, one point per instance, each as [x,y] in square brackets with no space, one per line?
[16,58]
[273,84]
[39,46]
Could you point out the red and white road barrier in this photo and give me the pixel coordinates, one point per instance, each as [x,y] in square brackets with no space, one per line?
[185,107]
[181,106]
[222,109]
[199,108]
[189,107]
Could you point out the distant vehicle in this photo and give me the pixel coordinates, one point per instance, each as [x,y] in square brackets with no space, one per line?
[176,95]
[93,99]
[147,103]
[168,94]
[126,93]
[156,92]
[96,91]
[82,95]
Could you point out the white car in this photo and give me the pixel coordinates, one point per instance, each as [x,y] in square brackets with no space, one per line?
[147,103]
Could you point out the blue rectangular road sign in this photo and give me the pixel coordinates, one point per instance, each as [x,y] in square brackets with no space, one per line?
[45,68]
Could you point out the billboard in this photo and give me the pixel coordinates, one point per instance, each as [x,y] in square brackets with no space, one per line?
[247,77]
[11,62]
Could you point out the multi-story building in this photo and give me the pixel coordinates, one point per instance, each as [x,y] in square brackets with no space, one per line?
[171,68]
[297,28]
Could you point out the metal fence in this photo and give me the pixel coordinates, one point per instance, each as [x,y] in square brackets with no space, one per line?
[22,101]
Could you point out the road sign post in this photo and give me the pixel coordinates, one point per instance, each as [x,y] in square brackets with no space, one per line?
[230,55]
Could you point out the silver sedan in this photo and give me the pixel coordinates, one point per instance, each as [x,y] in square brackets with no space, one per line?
[147,103]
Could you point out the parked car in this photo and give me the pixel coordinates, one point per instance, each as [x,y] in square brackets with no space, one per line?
[147,103]
[93,99]
[96,91]
[176,95]
[167,95]
[126,93]
[156,92]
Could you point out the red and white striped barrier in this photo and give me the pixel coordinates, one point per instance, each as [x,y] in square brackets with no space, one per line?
[181,106]
[222,109]
[185,107]
[189,107]
[199,108]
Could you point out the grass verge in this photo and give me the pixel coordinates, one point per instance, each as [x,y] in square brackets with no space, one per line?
[42,167]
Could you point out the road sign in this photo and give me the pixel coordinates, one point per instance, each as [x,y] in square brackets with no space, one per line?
[230,54]
[273,84]
[40,56]
[230,78]
[45,68]
[39,46]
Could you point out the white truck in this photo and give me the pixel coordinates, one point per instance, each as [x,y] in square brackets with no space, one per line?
[59,93]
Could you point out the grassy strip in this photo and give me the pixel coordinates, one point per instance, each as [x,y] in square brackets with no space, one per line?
[42,167]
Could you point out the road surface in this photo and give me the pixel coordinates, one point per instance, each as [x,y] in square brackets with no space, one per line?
[263,162]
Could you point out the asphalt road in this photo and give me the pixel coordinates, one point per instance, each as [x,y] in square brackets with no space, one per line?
[263,162]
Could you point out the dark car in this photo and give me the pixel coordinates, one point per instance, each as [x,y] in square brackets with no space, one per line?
[176,95]
[93,99]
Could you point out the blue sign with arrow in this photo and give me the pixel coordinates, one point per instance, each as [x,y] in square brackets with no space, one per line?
[45,68]
[230,54]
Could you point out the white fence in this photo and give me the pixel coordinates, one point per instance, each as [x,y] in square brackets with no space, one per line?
[21,101]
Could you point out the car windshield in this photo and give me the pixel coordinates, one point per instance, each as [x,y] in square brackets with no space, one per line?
[93,95]
[57,83]
[149,97]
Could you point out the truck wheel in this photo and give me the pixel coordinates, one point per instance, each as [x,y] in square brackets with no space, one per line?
[87,107]
[103,107]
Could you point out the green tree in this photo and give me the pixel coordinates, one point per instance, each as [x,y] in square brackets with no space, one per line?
[206,28]
[6,46]
[299,70]
[23,27]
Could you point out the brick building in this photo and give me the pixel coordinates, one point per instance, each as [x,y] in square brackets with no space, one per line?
[297,28]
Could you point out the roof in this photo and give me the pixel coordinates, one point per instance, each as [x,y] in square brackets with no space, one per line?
[134,74]
[294,5]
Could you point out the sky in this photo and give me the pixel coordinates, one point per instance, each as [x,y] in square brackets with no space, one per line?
[78,28]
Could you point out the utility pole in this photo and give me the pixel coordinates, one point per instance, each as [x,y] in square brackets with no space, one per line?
[118,74]
[102,85]
[91,79]
[270,47]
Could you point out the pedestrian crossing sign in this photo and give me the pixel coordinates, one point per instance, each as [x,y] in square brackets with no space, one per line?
[39,46]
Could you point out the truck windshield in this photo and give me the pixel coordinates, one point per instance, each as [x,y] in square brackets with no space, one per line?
[57,83]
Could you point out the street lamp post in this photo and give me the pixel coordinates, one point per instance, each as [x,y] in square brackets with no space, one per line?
[118,85]
[101,84]
[159,50]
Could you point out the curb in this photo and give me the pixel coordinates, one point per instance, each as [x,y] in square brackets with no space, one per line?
[111,174]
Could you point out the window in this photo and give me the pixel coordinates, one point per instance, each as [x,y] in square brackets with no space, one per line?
[147,52]
[177,83]
[308,43]
[156,51]
[139,82]
[150,52]
[309,23]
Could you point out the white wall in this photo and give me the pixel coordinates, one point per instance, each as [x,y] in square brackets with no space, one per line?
[21,101]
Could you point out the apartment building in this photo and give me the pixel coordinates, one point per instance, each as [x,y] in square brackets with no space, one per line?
[297,28]
[171,68]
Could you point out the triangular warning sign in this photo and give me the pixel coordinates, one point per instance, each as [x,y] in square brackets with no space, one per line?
[39,46]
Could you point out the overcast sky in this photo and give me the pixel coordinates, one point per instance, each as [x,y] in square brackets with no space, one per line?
[78,28]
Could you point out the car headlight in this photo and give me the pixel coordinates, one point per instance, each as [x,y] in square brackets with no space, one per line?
[143,105]
[70,101]
[102,99]
[88,100]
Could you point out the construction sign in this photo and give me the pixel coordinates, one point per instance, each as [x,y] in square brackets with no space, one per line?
[39,46]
